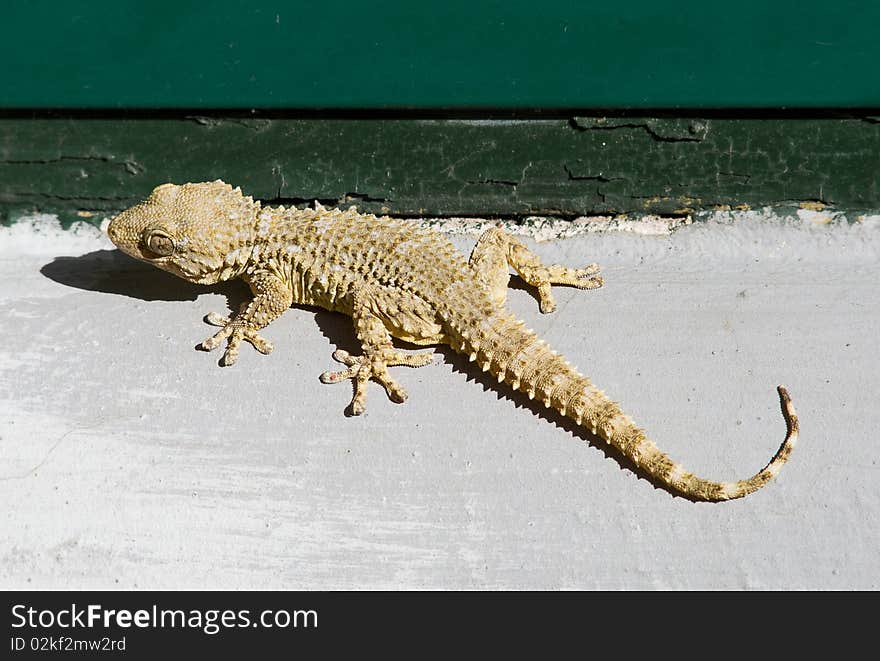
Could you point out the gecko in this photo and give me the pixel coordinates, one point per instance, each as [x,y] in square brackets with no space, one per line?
[396,280]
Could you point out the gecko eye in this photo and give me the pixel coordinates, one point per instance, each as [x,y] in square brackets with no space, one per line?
[159,242]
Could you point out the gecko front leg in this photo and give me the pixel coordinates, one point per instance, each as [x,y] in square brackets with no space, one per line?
[272,296]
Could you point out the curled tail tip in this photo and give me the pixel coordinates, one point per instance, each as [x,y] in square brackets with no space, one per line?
[698,489]
[772,469]
[788,412]
[784,397]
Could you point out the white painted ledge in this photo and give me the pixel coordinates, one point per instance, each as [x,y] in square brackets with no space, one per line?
[130,460]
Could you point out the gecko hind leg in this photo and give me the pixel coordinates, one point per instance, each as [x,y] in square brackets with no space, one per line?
[497,250]
[378,353]
[373,366]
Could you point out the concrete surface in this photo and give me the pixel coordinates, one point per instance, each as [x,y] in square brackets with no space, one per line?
[130,460]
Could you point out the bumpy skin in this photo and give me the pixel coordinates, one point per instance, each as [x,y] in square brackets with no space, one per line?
[394,280]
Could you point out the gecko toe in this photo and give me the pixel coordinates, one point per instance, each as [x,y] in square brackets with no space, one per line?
[215,340]
[259,343]
[342,356]
[338,377]
[231,353]
[216,319]
[396,393]
[588,270]
[354,409]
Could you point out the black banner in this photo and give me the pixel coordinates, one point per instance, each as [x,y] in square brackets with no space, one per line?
[146,624]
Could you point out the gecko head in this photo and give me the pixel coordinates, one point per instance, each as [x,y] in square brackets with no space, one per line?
[201,232]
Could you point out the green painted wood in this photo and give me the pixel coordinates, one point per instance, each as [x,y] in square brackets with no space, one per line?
[566,167]
[657,54]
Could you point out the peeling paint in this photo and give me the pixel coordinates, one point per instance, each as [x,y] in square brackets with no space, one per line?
[815,217]
[540,228]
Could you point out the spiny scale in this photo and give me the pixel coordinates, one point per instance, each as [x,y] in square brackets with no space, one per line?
[395,280]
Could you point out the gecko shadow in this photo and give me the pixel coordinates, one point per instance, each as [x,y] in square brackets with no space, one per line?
[113,272]
[338,329]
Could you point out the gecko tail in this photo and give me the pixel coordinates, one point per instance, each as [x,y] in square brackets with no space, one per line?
[606,420]
[518,357]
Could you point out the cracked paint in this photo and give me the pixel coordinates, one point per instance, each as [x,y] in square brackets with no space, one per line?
[588,177]
[663,130]
[495,182]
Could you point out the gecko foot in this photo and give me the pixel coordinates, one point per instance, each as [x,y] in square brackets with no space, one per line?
[236,331]
[546,276]
[373,366]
